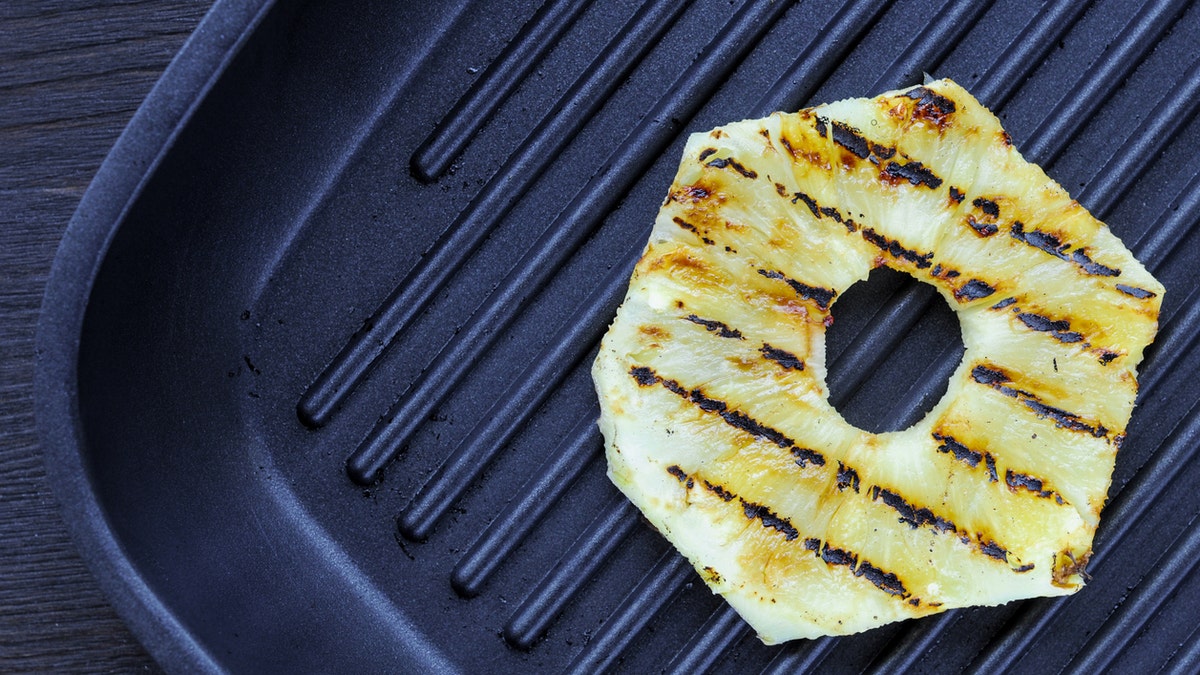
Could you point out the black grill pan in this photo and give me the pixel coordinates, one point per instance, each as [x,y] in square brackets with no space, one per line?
[313,363]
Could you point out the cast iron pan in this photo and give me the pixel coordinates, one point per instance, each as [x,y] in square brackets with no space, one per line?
[313,368]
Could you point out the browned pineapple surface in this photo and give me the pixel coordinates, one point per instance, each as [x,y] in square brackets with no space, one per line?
[711,379]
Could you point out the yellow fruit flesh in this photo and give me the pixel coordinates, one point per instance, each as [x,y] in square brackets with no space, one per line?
[711,379]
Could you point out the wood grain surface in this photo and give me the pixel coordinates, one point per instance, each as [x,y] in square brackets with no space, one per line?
[72,73]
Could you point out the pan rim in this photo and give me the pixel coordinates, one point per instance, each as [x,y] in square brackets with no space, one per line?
[134,157]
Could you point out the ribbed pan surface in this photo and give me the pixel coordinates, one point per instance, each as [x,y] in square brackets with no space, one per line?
[334,375]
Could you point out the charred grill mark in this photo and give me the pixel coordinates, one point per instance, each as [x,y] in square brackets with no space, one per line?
[913,172]
[987,206]
[693,229]
[804,456]
[832,556]
[916,517]
[894,248]
[847,478]
[992,550]
[705,403]
[818,211]
[821,128]
[999,380]
[910,515]
[993,477]
[962,453]
[931,105]
[881,151]
[1080,257]
[706,153]
[822,296]
[809,202]
[719,491]
[990,376]
[787,145]
[646,377]
[1060,330]
[1139,293]
[923,517]
[744,422]
[681,476]
[779,188]
[1043,324]
[1021,481]
[769,519]
[944,273]
[1039,240]
[786,359]
[675,388]
[851,139]
[717,327]
[973,290]
[1023,568]
[956,195]
[982,229]
[1051,244]
[885,581]
[837,556]
[1064,419]
[732,163]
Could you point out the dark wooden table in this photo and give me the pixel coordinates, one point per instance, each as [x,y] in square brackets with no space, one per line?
[72,73]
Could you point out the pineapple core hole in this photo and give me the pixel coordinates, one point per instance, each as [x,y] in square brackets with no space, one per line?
[895,395]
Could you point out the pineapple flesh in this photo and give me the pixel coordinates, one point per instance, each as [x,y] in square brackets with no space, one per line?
[711,379]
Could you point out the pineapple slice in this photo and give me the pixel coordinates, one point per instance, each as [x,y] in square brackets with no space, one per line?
[712,377]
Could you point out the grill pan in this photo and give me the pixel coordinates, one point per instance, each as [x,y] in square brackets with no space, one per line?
[313,363]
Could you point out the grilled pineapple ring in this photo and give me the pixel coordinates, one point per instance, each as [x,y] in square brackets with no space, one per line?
[712,377]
